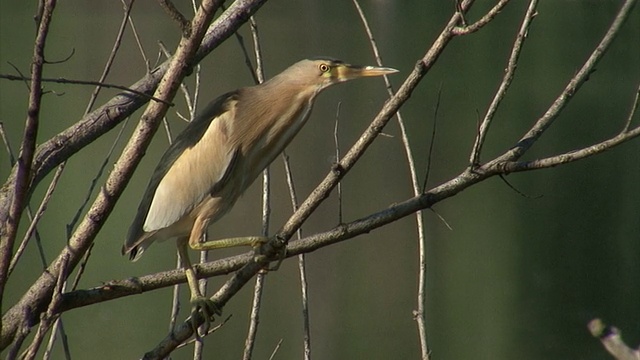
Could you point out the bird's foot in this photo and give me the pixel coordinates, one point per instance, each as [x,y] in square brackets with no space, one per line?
[260,257]
[208,309]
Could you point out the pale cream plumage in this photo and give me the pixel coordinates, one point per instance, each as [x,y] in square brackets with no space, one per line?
[221,152]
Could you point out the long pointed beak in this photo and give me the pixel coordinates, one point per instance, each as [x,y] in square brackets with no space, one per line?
[348,72]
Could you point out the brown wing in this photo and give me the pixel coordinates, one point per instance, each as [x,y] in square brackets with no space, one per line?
[193,166]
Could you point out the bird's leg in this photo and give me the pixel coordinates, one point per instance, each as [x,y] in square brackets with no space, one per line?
[200,228]
[255,242]
[198,301]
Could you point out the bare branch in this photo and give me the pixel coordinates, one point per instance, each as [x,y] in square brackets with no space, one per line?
[612,341]
[468,29]
[632,112]
[27,149]
[420,314]
[254,317]
[516,166]
[572,87]
[258,289]
[99,84]
[51,314]
[504,85]
[118,178]
[302,264]
[275,350]
[176,15]
[36,218]
[274,247]
[64,145]
[112,55]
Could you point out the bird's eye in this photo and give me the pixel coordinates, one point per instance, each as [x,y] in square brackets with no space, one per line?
[323,67]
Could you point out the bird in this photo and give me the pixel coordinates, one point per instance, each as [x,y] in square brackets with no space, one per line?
[218,156]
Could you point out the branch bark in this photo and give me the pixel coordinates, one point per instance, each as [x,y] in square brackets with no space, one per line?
[34,301]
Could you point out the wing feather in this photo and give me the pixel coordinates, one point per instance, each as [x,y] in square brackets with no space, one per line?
[196,163]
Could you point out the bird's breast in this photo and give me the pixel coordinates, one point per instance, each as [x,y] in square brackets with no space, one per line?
[275,136]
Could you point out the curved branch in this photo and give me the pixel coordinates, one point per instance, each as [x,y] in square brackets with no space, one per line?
[34,301]
[95,124]
[23,173]
[572,87]
[612,340]
[321,192]
[504,85]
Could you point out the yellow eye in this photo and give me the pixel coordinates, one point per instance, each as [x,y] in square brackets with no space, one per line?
[324,67]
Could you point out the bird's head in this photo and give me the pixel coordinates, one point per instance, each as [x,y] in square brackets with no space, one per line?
[323,72]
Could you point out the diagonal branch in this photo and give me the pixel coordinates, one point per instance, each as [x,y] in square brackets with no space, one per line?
[64,145]
[504,85]
[572,87]
[37,296]
[21,185]
[273,248]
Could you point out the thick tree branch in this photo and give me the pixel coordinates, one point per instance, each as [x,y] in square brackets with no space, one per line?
[36,297]
[95,124]
[273,248]
[21,185]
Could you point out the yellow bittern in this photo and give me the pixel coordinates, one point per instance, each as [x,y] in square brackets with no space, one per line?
[220,153]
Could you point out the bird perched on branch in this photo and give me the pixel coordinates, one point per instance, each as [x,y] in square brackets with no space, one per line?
[220,153]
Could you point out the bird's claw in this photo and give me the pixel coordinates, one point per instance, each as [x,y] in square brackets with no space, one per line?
[208,309]
[260,257]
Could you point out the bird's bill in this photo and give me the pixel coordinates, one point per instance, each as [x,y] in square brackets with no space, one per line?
[348,72]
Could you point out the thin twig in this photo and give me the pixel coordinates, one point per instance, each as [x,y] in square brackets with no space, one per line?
[468,29]
[244,263]
[336,143]
[27,149]
[88,82]
[275,350]
[632,112]
[504,85]
[112,55]
[36,218]
[254,317]
[211,331]
[58,327]
[175,299]
[7,146]
[258,290]
[432,140]
[420,313]
[73,139]
[136,36]
[302,265]
[571,156]
[51,314]
[255,36]
[30,215]
[176,15]
[572,87]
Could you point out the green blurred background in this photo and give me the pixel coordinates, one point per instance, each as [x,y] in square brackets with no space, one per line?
[517,277]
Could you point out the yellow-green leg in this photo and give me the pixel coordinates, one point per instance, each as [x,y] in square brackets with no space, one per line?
[197,300]
[255,242]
